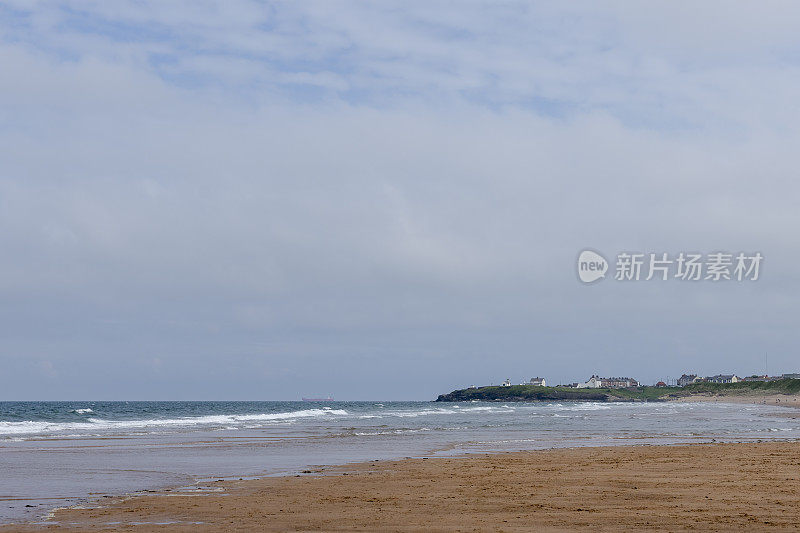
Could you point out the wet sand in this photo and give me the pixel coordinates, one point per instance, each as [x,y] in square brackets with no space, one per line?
[781,400]
[719,487]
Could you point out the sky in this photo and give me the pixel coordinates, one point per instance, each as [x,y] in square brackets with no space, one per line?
[385,200]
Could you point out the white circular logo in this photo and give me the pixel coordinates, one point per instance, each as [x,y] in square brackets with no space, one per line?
[591,266]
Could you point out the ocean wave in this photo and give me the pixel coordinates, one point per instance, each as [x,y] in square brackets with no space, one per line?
[423,412]
[398,431]
[82,411]
[93,424]
[451,410]
[588,406]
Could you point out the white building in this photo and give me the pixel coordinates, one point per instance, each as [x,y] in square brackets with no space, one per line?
[539,382]
[688,379]
[507,383]
[596,382]
[593,383]
[724,378]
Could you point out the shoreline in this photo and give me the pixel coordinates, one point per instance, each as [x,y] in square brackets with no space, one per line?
[209,485]
[779,400]
[604,488]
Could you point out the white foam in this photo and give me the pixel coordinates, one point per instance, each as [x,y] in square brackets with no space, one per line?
[455,409]
[589,406]
[94,424]
[83,411]
[399,431]
[424,412]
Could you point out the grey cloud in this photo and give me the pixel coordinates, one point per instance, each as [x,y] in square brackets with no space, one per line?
[163,239]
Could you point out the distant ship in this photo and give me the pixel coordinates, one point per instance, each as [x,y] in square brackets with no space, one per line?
[328,399]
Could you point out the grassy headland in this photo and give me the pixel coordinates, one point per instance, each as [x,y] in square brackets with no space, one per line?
[532,393]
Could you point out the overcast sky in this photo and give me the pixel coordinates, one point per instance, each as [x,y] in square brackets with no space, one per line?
[379,200]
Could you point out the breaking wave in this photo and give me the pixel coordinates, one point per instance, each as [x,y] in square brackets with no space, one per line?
[93,425]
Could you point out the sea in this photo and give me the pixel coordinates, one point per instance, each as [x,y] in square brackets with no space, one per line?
[58,454]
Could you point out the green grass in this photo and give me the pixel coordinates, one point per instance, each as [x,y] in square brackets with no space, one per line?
[639,393]
[528,393]
[783,386]
[534,393]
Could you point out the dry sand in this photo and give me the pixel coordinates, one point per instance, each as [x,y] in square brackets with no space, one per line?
[723,487]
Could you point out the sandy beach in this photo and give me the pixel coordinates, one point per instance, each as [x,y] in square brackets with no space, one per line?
[781,400]
[399,266]
[721,487]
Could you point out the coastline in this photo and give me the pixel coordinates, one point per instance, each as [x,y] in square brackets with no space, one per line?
[670,488]
[637,425]
[773,390]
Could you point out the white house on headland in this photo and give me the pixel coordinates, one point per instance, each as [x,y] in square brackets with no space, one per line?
[539,382]
[688,379]
[507,383]
[593,383]
[596,382]
[724,378]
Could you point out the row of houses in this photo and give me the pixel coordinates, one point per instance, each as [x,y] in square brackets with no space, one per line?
[688,379]
[597,382]
[772,378]
[539,382]
[594,382]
